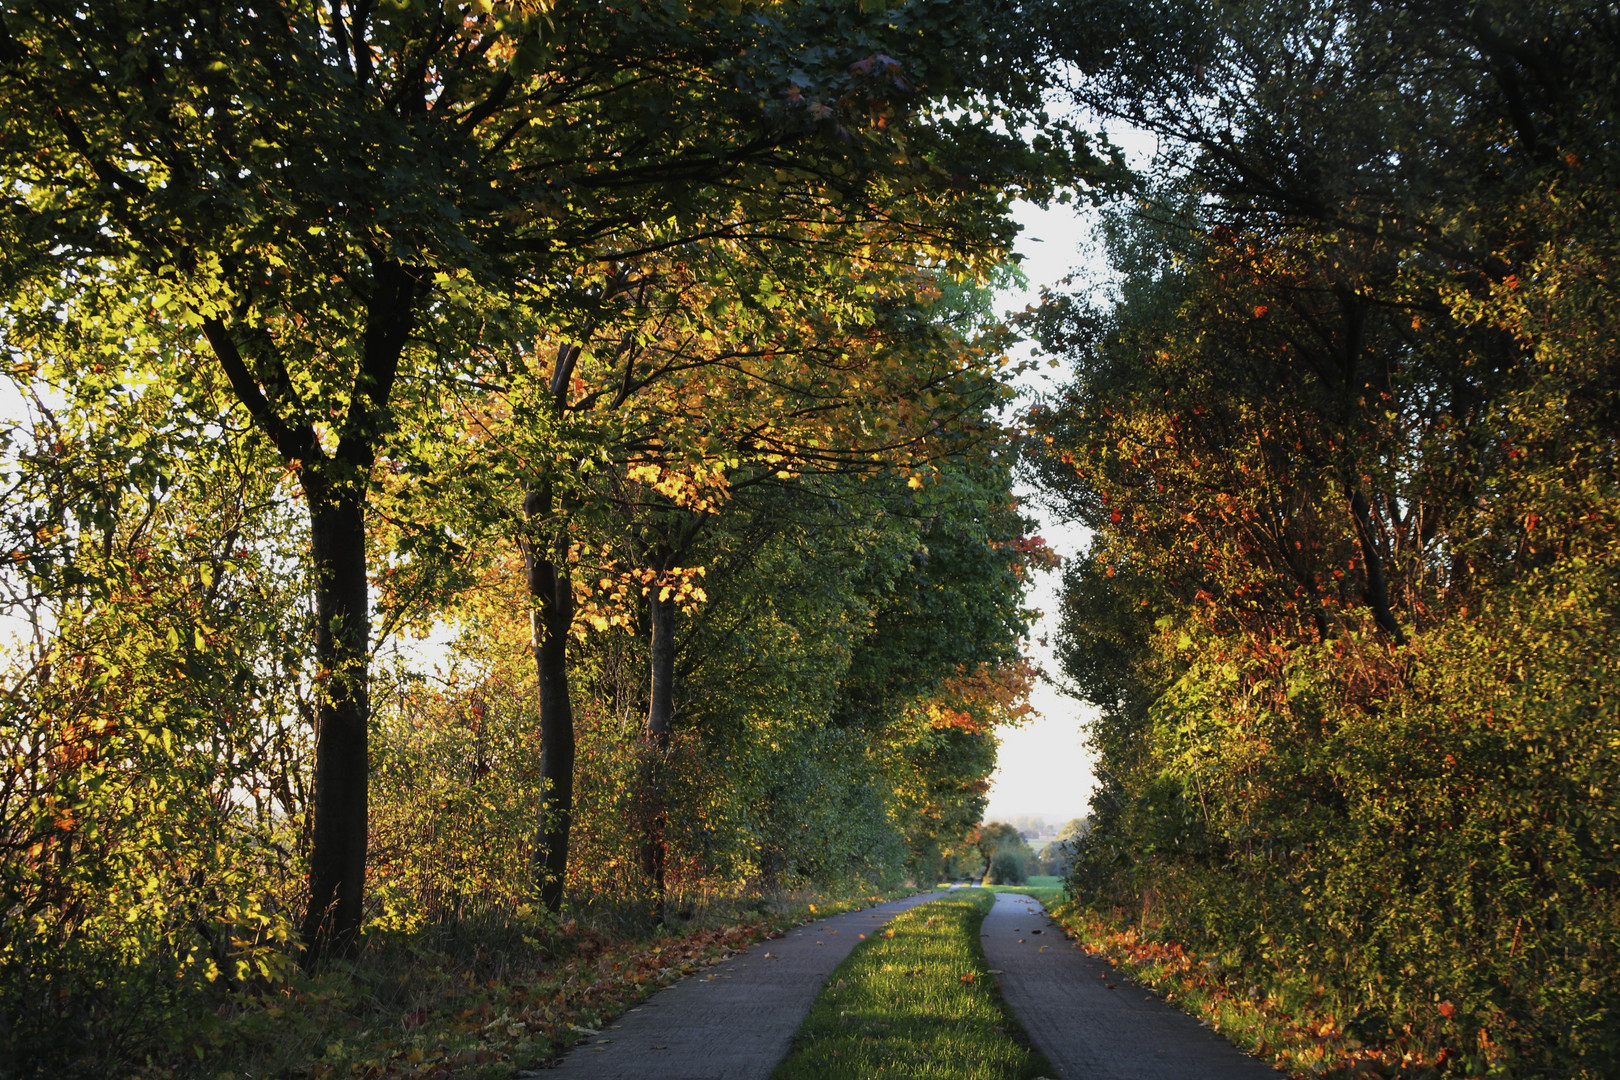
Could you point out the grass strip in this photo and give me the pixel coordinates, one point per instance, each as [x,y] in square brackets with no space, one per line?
[915,1001]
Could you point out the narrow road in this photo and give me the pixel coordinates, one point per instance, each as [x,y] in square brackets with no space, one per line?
[734,1021]
[1089,1022]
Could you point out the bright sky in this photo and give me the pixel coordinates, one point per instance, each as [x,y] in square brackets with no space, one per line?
[1043,769]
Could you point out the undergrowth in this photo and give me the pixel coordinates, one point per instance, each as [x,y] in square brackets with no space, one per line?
[1292,1021]
[476,998]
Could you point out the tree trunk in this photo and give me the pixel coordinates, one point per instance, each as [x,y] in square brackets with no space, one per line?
[552,595]
[661,711]
[337,859]
[1377,585]
[335,488]
[660,714]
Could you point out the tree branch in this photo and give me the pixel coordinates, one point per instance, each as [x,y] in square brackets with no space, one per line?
[293,443]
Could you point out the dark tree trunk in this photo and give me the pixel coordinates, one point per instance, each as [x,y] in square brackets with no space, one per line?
[553,598]
[335,488]
[1377,585]
[660,714]
[337,859]
[661,711]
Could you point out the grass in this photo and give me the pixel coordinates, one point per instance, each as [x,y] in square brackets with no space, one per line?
[1047,889]
[476,999]
[915,1002]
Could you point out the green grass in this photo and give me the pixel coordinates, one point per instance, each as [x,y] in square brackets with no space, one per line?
[1048,890]
[915,1002]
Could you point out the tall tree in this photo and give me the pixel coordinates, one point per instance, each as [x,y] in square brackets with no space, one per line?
[1342,459]
[332,197]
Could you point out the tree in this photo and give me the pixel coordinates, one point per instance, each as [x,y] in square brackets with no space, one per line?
[938,754]
[1304,432]
[907,394]
[337,212]
[1006,868]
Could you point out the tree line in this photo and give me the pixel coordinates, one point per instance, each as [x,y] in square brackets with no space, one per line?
[1345,432]
[638,356]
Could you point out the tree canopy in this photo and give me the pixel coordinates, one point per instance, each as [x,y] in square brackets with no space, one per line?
[636,353]
[1344,434]
[503,463]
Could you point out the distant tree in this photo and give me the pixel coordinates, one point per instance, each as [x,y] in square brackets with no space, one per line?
[1007,867]
[1057,858]
[1075,829]
[997,837]
[1030,825]
[992,836]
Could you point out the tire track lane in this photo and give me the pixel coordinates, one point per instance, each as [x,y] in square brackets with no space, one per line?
[733,1021]
[1089,1021]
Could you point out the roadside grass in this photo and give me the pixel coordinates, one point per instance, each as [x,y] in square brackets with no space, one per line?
[1046,888]
[473,1000]
[1289,1021]
[915,1002]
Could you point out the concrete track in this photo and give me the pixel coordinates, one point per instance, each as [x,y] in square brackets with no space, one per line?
[1088,1020]
[735,1020]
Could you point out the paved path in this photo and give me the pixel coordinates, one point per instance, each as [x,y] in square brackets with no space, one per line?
[1090,1022]
[735,1020]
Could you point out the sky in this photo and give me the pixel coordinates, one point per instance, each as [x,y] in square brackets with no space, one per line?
[1043,769]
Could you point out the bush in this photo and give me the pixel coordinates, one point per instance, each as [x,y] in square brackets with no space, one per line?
[1440,864]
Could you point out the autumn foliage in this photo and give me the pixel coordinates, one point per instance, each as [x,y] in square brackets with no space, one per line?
[487,469]
[1344,436]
